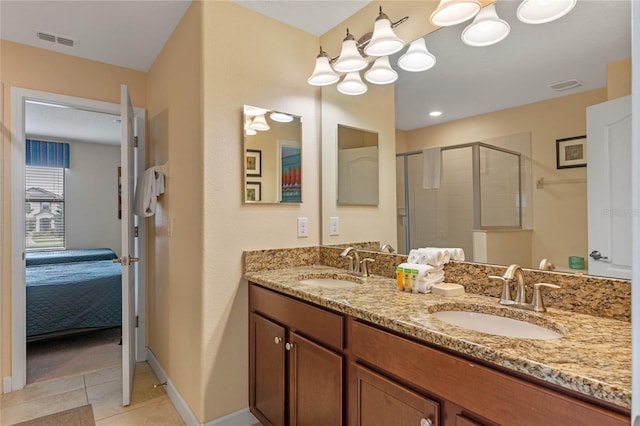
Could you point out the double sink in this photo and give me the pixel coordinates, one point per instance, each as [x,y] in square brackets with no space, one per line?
[501,323]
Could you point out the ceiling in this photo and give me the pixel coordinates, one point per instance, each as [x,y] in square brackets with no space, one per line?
[466,81]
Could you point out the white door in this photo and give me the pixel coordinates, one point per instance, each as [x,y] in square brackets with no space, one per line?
[358,171]
[128,245]
[609,188]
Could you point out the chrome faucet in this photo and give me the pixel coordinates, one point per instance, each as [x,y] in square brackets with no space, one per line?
[354,261]
[514,273]
[388,248]
[546,265]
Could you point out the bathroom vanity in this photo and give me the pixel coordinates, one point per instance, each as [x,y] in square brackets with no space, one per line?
[370,355]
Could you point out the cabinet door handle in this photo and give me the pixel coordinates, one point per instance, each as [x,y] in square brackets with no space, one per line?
[277,340]
[425,422]
[289,346]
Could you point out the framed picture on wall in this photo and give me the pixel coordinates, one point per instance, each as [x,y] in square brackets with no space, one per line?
[253,191]
[571,152]
[253,163]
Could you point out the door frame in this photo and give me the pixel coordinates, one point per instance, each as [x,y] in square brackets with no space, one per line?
[18,289]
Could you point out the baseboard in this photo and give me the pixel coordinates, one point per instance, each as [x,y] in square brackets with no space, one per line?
[6,384]
[239,418]
[178,402]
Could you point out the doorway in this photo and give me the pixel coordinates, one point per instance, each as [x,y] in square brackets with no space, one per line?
[18,294]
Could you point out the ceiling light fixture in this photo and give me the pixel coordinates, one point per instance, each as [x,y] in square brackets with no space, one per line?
[453,12]
[384,41]
[323,74]
[435,113]
[281,117]
[486,29]
[352,84]
[543,11]
[417,57]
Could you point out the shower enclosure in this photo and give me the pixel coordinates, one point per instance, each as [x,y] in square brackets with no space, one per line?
[480,189]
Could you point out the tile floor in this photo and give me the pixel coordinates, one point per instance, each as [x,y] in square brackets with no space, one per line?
[103,390]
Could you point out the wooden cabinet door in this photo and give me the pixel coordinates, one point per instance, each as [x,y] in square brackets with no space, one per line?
[382,402]
[315,384]
[267,370]
[463,421]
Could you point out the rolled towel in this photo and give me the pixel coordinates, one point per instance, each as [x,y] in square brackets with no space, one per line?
[414,256]
[455,253]
[433,256]
[424,285]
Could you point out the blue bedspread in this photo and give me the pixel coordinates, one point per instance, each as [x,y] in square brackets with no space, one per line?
[74,295]
[66,256]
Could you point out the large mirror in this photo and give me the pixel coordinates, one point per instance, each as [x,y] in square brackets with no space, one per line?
[591,37]
[272,156]
[357,166]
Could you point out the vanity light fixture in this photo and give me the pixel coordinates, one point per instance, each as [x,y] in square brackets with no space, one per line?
[350,58]
[417,57]
[249,131]
[352,84]
[281,117]
[381,72]
[323,74]
[452,12]
[251,111]
[543,11]
[486,29]
[384,41]
[259,123]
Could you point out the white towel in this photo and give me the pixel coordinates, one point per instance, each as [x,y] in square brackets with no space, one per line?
[150,185]
[423,285]
[455,253]
[431,168]
[423,270]
[433,256]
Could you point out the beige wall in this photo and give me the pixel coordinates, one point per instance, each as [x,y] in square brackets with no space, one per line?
[37,69]
[618,79]
[247,59]
[175,233]
[559,211]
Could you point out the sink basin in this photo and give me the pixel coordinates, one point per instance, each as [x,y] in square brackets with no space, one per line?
[330,280]
[497,325]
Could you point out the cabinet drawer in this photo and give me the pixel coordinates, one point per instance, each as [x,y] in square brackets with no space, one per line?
[491,394]
[317,323]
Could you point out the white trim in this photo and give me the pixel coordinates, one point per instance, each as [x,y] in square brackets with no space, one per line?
[18,293]
[239,418]
[4,384]
[141,303]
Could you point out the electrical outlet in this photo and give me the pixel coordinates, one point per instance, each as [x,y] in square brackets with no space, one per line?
[334,226]
[303,227]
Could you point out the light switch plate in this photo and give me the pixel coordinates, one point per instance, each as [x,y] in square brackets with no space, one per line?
[334,226]
[303,227]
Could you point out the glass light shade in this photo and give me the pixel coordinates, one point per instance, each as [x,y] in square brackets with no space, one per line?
[323,74]
[384,41]
[259,123]
[350,58]
[249,131]
[417,57]
[281,117]
[452,12]
[381,72]
[251,111]
[543,11]
[486,29]
[352,84]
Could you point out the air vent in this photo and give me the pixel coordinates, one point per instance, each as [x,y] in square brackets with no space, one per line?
[46,37]
[54,38]
[565,85]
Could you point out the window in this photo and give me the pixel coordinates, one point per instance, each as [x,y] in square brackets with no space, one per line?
[44,201]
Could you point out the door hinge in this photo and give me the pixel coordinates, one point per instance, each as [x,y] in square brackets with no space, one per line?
[135,231]
[135,141]
[137,323]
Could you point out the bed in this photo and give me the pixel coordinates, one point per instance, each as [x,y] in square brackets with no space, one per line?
[70,291]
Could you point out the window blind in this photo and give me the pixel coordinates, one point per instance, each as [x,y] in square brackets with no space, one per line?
[44,208]
[46,154]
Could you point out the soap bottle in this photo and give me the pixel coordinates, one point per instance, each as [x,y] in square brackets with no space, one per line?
[414,280]
[400,278]
[407,279]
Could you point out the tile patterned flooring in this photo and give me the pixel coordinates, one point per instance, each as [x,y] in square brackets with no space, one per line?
[103,390]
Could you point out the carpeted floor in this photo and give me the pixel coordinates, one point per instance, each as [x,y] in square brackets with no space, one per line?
[81,416]
[66,356]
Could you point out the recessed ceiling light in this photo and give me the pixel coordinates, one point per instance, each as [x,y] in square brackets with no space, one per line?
[435,113]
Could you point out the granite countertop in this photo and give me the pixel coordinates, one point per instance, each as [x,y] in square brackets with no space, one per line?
[593,357]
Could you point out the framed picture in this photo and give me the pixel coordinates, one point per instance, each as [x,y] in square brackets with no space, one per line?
[290,172]
[253,192]
[253,162]
[571,152]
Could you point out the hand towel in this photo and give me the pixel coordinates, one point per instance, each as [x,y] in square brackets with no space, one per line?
[414,256]
[455,253]
[423,270]
[147,190]
[433,256]
[431,168]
